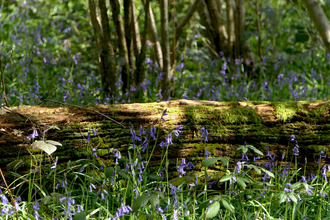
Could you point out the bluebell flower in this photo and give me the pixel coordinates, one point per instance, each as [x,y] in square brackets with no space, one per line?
[55,163]
[153,132]
[134,136]
[207,154]
[321,155]
[145,144]
[175,215]
[177,131]
[164,113]
[204,134]
[94,152]
[94,132]
[88,137]
[35,209]
[288,199]
[292,137]
[287,188]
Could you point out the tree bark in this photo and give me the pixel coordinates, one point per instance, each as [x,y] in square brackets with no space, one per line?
[140,70]
[128,17]
[122,45]
[230,124]
[231,29]
[136,31]
[165,48]
[154,38]
[109,77]
[320,20]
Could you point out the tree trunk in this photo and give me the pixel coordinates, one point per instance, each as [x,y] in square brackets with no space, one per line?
[136,31]
[122,45]
[140,70]
[320,20]
[165,48]
[154,38]
[109,77]
[129,38]
[230,124]
[231,29]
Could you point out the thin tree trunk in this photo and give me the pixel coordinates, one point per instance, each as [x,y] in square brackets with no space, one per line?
[221,36]
[165,48]
[122,45]
[154,38]
[244,47]
[97,31]
[259,30]
[136,31]
[205,20]
[109,70]
[231,29]
[140,70]
[129,39]
[320,20]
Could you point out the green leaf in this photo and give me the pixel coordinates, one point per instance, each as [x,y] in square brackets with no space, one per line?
[53,143]
[80,216]
[254,167]
[42,145]
[177,181]
[54,127]
[292,197]
[225,178]
[213,210]
[224,161]
[142,217]
[15,165]
[209,162]
[240,182]
[282,197]
[243,148]
[123,174]
[150,217]
[154,200]
[295,186]
[255,150]
[228,205]
[268,172]
[161,194]
[204,204]
[140,202]
[47,199]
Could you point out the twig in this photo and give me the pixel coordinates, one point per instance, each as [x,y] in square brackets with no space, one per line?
[87,110]
[27,118]
[3,84]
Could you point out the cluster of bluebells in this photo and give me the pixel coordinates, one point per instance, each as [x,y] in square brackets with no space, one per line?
[7,208]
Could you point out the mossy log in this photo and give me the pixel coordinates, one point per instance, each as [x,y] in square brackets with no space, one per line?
[265,125]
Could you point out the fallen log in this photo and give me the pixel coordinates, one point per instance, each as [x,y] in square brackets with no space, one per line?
[268,126]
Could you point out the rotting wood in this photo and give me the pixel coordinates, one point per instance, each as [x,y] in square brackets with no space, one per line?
[230,124]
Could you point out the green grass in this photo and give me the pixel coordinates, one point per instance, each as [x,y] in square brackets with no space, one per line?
[126,188]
